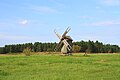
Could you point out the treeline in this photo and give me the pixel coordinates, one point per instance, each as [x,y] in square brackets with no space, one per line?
[81,46]
[36,47]
[96,47]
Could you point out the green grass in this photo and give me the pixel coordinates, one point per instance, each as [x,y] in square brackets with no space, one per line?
[56,67]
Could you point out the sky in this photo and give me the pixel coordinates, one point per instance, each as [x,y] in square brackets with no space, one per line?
[24,21]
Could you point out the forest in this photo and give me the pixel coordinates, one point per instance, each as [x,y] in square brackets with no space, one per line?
[79,46]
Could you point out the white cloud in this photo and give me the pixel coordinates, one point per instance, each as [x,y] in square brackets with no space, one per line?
[110,2]
[44,9]
[23,22]
[102,23]
[13,37]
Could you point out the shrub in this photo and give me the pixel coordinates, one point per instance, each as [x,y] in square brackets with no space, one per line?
[27,51]
[76,48]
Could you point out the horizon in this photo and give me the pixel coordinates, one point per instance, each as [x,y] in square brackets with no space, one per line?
[58,41]
[28,21]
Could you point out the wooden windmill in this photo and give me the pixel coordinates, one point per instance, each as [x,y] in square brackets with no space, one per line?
[65,43]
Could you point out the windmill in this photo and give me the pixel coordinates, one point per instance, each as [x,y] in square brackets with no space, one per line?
[65,43]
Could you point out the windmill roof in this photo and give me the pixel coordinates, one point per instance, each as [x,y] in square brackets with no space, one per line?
[69,38]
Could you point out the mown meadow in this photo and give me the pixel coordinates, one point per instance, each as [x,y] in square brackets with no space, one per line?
[59,67]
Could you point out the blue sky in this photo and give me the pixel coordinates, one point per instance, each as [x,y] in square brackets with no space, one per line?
[23,21]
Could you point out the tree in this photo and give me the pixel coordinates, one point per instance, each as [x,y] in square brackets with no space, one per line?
[88,50]
[76,48]
[27,51]
[2,50]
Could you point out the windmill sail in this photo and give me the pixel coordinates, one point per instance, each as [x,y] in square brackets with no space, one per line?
[58,46]
[67,30]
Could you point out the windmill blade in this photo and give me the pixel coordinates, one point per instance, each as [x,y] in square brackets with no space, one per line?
[58,35]
[67,30]
[67,45]
[58,46]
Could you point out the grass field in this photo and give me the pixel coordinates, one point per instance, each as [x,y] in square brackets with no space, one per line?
[56,67]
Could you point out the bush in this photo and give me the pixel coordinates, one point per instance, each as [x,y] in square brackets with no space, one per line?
[76,48]
[27,51]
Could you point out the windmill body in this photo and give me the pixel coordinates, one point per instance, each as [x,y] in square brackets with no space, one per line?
[65,43]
